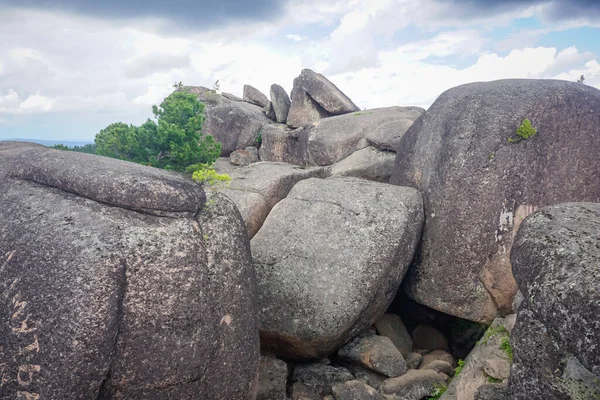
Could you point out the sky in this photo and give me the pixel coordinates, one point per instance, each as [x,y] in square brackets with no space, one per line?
[69,68]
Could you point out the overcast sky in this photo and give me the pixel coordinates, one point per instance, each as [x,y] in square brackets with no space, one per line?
[68,68]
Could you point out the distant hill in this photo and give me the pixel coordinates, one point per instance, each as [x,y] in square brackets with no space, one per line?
[69,143]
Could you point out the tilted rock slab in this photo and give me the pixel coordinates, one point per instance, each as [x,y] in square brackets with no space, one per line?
[256,188]
[333,139]
[478,187]
[233,123]
[280,102]
[115,284]
[254,96]
[325,93]
[556,340]
[329,259]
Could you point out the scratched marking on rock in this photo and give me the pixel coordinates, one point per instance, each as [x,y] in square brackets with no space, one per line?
[24,330]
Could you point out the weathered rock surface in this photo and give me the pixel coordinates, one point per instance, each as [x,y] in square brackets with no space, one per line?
[556,343]
[303,110]
[330,140]
[244,157]
[254,96]
[473,376]
[100,301]
[324,93]
[371,377]
[357,233]
[391,325]
[282,144]
[415,384]
[355,390]
[281,103]
[479,186]
[492,391]
[235,124]
[257,188]
[269,111]
[272,380]
[231,97]
[368,163]
[413,360]
[320,377]
[387,136]
[497,369]
[441,366]
[435,356]
[377,353]
[301,391]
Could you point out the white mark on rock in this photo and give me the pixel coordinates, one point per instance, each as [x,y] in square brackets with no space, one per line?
[226,319]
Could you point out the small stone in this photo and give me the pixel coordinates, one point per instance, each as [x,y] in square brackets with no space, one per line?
[510,321]
[428,337]
[436,355]
[497,368]
[413,360]
[370,377]
[441,366]
[272,378]
[301,391]
[391,325]
[320,377]
[413,385]
[375,352]
[444,376]
[492,391]
[355,390]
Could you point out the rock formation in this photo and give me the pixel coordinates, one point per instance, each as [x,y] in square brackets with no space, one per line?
[332,139]
[281,103]
[118,282]
[257,188]
[478,186]
[233,123]
[356,233]
[556,340]
[315,97]
[254,96]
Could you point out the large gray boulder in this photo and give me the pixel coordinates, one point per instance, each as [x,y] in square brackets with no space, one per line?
[233,123]
[254,96]
[303,110]
[257,188]
[479,186]
[117,283]
[324,93]
[281,103]
[332,139]
[556,259]
[359,234]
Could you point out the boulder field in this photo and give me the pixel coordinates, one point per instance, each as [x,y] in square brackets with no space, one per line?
[384,254]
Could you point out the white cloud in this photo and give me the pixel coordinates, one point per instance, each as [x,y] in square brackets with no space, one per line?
[402,81]
[461,43]
[62,63]
[36,103]
[295,38]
